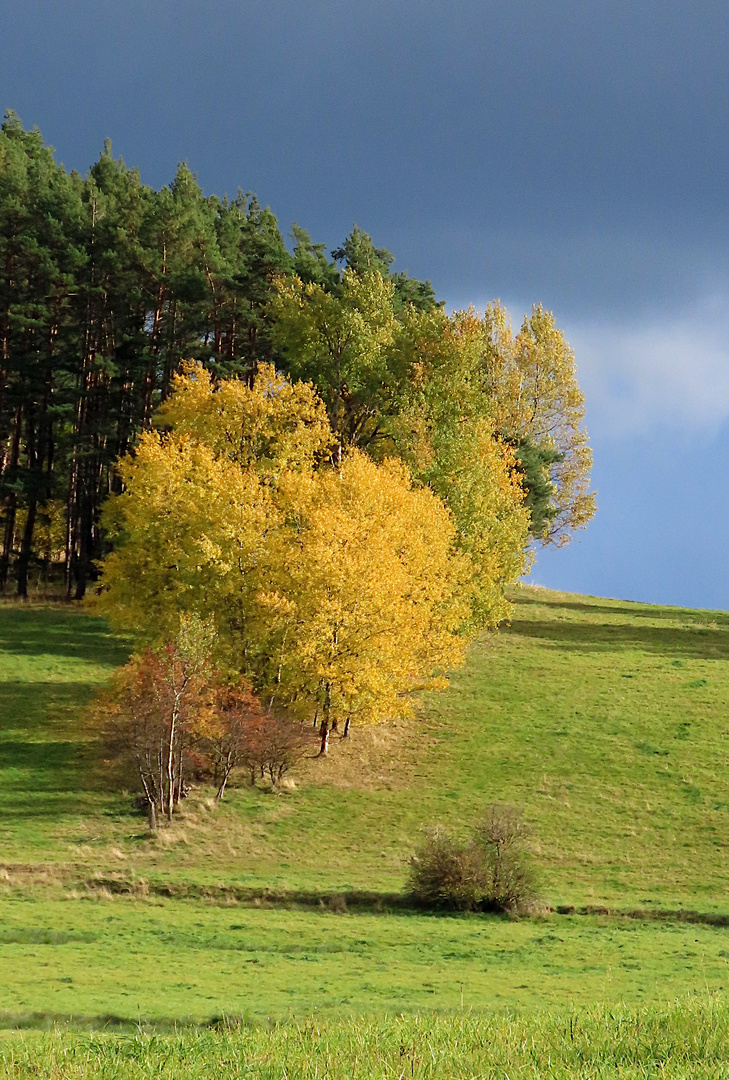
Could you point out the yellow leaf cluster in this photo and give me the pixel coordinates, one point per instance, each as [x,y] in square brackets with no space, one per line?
[271,425]
[189,531]
[369,596]
[530,380]
[333,589]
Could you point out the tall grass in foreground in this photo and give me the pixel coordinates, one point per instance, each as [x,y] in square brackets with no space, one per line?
[688,1038]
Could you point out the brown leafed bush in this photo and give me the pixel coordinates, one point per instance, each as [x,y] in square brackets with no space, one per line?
[509,881]
[275,745]
[241,733]
[489,872]
[148,721]
[445,874]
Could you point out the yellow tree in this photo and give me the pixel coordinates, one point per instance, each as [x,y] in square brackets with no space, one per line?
[531,382]
[469,374]
[189,533]
[336,589]
[367,597]
[192,526]
[270,426]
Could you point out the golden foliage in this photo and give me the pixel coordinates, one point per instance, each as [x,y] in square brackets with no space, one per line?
[331,588]
[447,433]
[531,382]
[473,381]
[272,425]
[190,530]
[369,595]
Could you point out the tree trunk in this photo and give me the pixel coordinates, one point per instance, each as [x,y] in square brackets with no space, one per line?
[347,722]
[7,552]
[12,502]
[171,770]
[25,549]
[227,769]
[85,538]
[325,722]
[152,817]
[34,465]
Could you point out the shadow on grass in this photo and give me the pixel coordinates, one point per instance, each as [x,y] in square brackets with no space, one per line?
[49,758]
[50,1021]
[363,901]
[630,609]
[700,643]
[58,632]
[45,710]
[54,766]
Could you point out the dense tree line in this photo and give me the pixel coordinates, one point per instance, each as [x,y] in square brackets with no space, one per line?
[108,286]
[105,285]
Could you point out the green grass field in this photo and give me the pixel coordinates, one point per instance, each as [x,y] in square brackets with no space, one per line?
[689,1039]
[606,722]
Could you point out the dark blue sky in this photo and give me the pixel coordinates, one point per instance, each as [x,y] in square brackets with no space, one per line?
[574,154]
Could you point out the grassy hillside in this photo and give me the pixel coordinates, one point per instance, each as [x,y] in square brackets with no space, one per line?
[604,721]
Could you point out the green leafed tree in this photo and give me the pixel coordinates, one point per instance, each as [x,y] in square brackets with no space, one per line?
[340,341]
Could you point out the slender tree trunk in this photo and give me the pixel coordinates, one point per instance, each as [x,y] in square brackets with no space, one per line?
[179,778]
[157,319]
[25,550]
[71,526]
[325,726]
[161,765]
[77,494]
[347,722]
[151,805]
[9,533]
[227,769]
[12,504]
[171,766]
[85,535]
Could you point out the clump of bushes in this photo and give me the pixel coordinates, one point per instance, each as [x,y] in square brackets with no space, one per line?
[491,871]
[170,718]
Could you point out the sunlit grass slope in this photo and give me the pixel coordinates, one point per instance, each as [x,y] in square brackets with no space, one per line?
[605,721]
[168,961]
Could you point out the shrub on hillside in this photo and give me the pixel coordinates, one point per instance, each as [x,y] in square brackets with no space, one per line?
[239,732]
[509,881]
[446,874]
[149,715]
[489,872]
[169,719]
